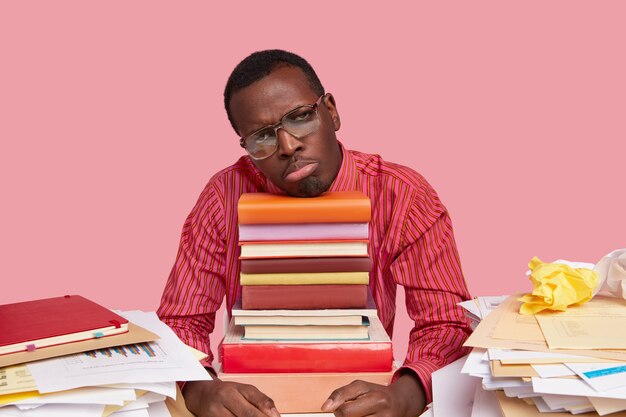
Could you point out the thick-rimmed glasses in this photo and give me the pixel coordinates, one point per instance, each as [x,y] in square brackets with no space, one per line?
[299,122]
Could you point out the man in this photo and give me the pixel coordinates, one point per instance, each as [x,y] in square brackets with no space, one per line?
[288,124]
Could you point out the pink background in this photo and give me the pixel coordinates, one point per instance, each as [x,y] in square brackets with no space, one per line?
[111,122]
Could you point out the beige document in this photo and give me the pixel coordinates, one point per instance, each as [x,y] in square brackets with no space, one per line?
[135,334]
[515,326]
[15,379]
[483,337]
[597,324]
[516,370]
[606,406]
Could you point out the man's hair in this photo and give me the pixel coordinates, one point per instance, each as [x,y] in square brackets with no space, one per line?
[260,64]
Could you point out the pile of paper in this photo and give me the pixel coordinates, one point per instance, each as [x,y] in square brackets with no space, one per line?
[130,379]
[564,363]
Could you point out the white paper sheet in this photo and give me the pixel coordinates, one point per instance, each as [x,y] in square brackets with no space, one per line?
[487,304]
[450,379]
[543,407]
[159,410]
[166,359]
[553,371]
[55,410]
[576,387]
[164,388]
[500,383]
[485,404]
[556,402]
[476,363]
[143,402]
[601,376]
[521,391]
[132,413]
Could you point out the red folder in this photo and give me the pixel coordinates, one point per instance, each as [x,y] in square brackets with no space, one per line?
[37,324]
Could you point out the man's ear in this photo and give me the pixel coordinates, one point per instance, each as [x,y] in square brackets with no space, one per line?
[329,101]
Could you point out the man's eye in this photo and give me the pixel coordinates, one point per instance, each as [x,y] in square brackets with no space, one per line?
[262,138]
[303,116]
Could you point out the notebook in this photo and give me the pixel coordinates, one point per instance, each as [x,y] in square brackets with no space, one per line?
[31,325]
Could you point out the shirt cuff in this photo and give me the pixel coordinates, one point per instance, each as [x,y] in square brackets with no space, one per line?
[423,370]
[209,369]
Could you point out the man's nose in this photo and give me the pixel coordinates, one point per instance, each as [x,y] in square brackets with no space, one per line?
[287,143]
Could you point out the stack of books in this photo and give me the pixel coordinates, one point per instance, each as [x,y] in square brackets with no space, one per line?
[70,356]
[305,323]
[562,363]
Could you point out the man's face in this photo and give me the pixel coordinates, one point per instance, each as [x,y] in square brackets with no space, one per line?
[303,167]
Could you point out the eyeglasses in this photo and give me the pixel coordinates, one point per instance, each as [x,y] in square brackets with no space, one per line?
[299,122]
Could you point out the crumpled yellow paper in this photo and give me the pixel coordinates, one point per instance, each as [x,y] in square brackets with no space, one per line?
[557,286]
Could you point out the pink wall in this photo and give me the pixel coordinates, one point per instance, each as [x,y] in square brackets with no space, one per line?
[111,122]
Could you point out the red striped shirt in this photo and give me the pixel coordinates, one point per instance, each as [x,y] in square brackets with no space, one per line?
[411,244]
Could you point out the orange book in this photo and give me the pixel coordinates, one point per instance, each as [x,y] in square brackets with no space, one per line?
[331,207]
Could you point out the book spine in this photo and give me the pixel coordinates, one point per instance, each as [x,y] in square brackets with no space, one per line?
[304,278]
[283,265]
[300,248]
[303,231]
[304,210]
[313,357]
[299,297]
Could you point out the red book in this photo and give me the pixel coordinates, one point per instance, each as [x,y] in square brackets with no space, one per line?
[243,356]
[285,265]
[37,324]
[303,297]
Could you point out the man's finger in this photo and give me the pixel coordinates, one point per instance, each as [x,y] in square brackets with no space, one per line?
[346,393]
[261,401]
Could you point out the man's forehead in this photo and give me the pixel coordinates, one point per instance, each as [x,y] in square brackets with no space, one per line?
[272,96]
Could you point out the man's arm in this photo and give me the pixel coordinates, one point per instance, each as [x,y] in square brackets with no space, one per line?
[193,293]
[429,269]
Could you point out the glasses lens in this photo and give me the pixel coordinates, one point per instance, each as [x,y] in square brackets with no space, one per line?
[301,121]
[261,144]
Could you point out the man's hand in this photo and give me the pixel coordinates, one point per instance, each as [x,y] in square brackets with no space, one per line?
[404,398]
[218,398]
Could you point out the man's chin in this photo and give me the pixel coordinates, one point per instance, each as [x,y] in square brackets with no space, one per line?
[308,187]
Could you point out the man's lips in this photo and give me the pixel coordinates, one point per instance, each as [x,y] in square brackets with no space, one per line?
[299,170]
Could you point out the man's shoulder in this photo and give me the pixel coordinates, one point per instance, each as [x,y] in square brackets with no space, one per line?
[242,171]
[375,168]
[227,185]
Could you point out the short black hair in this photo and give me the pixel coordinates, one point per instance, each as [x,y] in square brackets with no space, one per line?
[260,64]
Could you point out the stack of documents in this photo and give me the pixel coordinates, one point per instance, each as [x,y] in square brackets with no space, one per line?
[564,363]
[129,375]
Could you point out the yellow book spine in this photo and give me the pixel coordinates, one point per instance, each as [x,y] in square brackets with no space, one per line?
[306,278]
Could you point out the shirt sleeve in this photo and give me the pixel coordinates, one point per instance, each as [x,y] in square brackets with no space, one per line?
[196,285]
[429,269]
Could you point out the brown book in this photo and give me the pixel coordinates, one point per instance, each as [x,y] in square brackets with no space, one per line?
[303,297]
[286,265]
[303,392]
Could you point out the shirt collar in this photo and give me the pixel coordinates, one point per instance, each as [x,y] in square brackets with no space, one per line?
[346,179]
